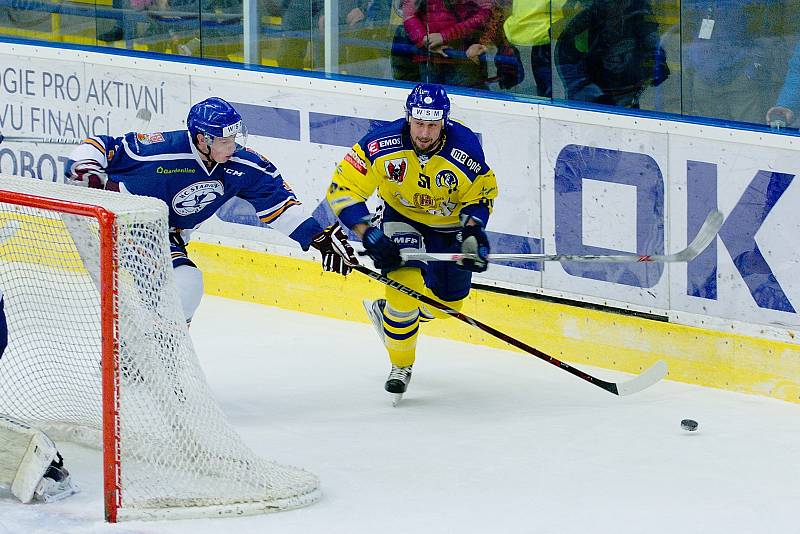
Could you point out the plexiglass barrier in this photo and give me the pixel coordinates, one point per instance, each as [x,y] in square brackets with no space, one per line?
[733,60]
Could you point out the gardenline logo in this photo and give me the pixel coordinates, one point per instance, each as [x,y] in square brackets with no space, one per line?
[162,170]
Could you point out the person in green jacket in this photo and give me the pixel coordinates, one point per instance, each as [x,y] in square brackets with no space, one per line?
[529,25]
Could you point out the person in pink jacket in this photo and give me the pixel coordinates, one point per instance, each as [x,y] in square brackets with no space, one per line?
[444,41]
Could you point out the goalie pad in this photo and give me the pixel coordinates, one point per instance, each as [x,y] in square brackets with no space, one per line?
[30,464]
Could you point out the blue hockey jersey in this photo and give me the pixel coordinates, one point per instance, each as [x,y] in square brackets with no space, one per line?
[167,165]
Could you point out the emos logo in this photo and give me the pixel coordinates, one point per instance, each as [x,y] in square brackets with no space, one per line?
[382,144]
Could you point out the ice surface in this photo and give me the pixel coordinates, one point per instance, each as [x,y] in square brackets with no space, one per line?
[484,441]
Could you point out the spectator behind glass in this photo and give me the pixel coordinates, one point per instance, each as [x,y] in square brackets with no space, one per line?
[529,25]
[733,57]
[172,25]
[782,114]
[301,19]
[622,53]
[121,26]
[444,42]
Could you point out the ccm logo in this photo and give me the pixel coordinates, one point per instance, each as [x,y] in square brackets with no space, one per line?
[234,172]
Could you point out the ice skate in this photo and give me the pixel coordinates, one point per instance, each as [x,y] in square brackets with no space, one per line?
[374,310]
[397,383]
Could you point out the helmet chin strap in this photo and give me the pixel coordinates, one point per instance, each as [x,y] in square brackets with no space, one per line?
[207,154]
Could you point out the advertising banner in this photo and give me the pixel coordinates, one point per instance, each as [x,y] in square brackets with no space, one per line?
[570,181]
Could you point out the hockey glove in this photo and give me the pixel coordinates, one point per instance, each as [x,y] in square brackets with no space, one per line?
[337,254]
[88,173]
[383,251]
[474,241]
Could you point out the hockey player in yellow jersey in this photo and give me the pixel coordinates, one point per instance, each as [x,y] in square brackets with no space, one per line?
[437,192]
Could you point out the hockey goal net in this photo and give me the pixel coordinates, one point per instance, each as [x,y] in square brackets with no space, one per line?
[99,353]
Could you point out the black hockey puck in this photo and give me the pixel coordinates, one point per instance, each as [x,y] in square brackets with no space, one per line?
[689,424]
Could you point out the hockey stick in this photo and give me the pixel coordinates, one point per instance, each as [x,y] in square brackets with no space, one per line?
[45,140]
[143,115]
[706,234]
[643,381]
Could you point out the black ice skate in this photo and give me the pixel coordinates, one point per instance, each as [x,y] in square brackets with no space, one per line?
[397,383]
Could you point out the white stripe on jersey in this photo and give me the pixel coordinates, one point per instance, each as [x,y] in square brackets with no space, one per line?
[288,221]
[89,151]
[273,209]
[249,164]
[156,157]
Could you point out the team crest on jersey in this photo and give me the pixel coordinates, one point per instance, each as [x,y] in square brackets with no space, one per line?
[150,138]
[193,198]
[447,179]
[396,169]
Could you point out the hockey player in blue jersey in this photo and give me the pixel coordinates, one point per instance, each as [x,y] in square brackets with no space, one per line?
[437,192]
[195,172]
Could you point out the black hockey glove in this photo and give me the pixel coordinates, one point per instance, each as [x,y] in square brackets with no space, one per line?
[88,173]
[474,241]
[337,254]
[383,251]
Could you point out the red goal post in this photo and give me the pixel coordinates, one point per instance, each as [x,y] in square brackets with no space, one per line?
[99,353]
[108,321]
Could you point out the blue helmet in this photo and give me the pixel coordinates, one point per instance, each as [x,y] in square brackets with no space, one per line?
[215,117]
[428,102]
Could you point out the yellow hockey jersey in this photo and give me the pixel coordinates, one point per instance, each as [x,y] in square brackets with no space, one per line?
[453,181]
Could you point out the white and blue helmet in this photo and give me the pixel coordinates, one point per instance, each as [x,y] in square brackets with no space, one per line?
[428,102]
[214,117]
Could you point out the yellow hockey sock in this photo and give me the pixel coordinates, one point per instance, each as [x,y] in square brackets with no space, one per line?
[401,317]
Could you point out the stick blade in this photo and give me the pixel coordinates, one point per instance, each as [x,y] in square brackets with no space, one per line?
[653,374]
[708,231]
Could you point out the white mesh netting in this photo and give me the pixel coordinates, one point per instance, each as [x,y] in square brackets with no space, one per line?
[178,454]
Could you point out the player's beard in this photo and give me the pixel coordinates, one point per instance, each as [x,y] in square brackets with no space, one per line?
[431,144]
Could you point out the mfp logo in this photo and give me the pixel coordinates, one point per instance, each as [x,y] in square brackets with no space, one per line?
[407,240]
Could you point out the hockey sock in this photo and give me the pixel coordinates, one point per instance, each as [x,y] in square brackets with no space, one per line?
[400,335]
[401,318]
[428,313]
